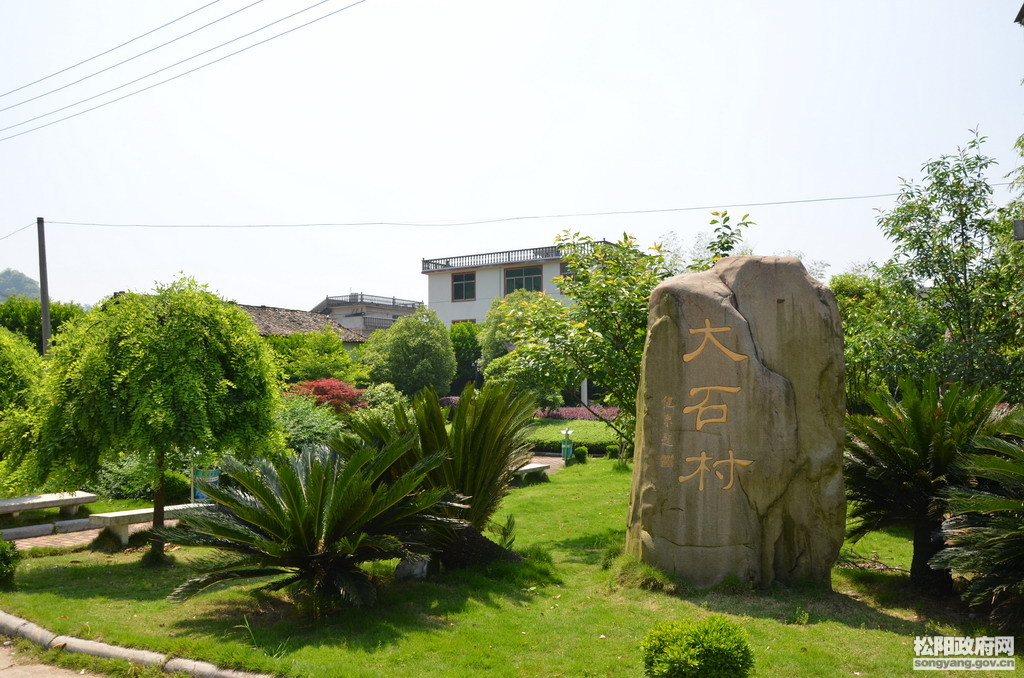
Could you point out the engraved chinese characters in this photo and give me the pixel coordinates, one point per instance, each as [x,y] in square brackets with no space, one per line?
[738,466]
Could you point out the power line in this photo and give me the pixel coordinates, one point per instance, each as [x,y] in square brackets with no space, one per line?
[575,215]
[29,225]
[121,63]
[180,75]
[444,224]
[85,61]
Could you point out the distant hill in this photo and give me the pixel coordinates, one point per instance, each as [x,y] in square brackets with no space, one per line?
[15,282]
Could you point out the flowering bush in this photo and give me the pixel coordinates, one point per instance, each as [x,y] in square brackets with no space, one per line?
[333,393]
[449,401]
[578,413]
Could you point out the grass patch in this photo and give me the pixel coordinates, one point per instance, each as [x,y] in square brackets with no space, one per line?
[556,614]
[546,435]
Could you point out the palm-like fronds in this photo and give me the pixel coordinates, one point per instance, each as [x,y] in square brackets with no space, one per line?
[986,537]
[311,520]
[900,462]
[485,444]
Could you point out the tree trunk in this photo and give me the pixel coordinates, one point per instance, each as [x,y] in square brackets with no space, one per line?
[156,550]
[927,543]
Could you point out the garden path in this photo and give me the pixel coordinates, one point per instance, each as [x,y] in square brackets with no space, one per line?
[13,665]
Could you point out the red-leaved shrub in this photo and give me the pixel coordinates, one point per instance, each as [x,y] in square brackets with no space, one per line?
[332,393]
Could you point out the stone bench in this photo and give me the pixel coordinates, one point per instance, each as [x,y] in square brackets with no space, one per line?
[120,521]
[526,470]
[67,501]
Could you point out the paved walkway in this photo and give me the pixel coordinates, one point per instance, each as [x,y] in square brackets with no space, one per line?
[71,538]
[14,665]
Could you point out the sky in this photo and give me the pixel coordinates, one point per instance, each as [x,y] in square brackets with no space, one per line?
[394,122]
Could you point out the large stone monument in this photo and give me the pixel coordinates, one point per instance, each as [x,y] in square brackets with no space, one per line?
[739,427]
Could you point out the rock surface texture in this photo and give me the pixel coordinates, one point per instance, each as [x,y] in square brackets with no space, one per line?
[739,427]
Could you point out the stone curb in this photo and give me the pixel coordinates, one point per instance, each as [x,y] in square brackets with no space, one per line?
[22,628]
[45,529]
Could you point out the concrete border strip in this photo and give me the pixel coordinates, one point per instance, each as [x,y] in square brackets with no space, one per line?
[13,626]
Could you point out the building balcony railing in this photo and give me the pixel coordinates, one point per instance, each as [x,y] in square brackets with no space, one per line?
[370,323]
[531,254]
[357,298]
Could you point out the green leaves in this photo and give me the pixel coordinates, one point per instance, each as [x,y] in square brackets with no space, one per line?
[413,353]
[311,520]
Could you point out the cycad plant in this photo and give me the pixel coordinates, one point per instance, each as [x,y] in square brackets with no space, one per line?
[986,538]
[310,521]
[483,445]
[901,461]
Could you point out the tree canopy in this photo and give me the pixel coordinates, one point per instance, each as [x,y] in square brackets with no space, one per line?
[599,334]
[949,302]
[413,353]
[308,356]
[467,355]
[163,375]
[23,315]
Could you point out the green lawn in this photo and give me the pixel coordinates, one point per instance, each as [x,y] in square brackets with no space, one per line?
[547,436]
[563,618]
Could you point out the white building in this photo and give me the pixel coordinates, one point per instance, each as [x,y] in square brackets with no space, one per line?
[461,289]
[364,313]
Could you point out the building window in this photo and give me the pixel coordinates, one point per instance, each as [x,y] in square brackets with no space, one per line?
[463,286]
[525,278]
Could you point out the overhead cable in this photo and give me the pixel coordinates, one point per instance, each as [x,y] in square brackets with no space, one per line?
[112,49]
[121,63]
[180,75]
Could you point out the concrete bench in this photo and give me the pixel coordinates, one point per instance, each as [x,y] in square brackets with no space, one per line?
[524,471]
[67,501]
[120,521]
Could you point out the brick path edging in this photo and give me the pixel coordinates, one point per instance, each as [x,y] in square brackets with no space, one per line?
[22,628]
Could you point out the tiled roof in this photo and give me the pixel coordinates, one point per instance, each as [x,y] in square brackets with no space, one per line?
[285,321]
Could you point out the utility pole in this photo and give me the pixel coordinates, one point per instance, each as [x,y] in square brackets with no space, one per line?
[44,287]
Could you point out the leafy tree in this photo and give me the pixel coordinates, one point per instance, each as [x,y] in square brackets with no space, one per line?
[21,370]
[901,461]
[332,393]
[724,242]
[467,353]
[495,339]
[544,382]
[985,537]
[412,354]
[15,283]
[599,334]
[23,315]
[886,332]
[311,521]
[949,239]
[159,375]
[308,356]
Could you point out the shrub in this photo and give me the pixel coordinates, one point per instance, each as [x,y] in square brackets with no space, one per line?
[985,537]
[579,453]
[381,401]
[9,557]
[305,424]
[580,413]
[311,521]
[333,393]
[712,648]
[612,451]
